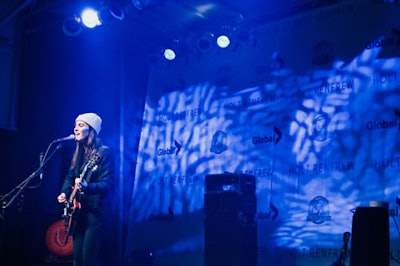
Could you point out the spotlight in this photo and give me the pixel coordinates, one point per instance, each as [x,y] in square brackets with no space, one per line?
[223,41]
[176,49]
[90,18]
[169,54]
[72,26]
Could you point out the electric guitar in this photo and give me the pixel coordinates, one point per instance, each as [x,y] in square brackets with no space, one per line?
[72,206]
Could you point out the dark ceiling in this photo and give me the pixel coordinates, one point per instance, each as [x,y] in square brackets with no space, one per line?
[153,23]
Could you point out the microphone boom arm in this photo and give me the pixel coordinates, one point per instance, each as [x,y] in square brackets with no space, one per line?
[15,192]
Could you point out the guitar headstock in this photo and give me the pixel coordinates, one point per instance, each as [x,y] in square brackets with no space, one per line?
[92,164]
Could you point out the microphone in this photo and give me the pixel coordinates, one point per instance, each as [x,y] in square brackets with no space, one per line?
[70,137]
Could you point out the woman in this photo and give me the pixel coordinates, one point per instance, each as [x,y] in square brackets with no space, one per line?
[91,175]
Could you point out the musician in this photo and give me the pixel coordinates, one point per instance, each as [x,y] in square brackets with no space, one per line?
[93,201]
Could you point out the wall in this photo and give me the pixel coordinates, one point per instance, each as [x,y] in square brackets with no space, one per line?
[309,106]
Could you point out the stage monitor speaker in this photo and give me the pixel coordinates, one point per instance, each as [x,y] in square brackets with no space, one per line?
[230,241]
[370,237]
[230,206]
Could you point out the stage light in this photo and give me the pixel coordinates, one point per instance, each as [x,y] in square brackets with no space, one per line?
[72,26]
[169,54]
[90,18]
[175,49]
[223,41]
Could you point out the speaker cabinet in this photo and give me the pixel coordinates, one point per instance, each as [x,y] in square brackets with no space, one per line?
[229,240]
[370,237]
[230,226]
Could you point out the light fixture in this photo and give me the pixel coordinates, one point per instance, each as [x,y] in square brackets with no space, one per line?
[72,26]
[223,41]
[169,54]
[90,18]
[175,49]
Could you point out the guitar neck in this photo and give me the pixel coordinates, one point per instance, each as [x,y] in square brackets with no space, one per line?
[73,194]
[82,175]
[75,190]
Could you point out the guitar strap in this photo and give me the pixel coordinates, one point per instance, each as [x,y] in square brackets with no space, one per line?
[89,175]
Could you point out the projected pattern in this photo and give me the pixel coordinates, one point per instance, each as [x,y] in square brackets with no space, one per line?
[319,143]
[319,147]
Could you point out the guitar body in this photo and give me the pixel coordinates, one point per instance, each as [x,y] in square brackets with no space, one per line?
[56,240]
[73,206]
[71,212]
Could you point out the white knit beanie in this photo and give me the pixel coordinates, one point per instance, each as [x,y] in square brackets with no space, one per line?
[92,120]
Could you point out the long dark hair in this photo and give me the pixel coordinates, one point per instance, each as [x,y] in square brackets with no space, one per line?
[89,147]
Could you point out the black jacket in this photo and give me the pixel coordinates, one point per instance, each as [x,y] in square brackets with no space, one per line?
[97,196]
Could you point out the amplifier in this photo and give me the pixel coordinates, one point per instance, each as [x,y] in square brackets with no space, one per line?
[230,182]
[230,206]
[230,202]
[230,242]
[370,241]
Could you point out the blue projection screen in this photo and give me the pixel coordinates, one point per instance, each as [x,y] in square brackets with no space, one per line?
[318,130]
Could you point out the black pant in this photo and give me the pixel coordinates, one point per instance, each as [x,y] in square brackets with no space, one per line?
[89,239]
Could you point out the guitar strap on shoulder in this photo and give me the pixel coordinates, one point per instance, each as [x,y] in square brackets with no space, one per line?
[89,174]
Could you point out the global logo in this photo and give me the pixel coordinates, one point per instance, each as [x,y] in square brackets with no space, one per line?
[170,151]
[270,215]
[318,210]
[274,138]
[382,124]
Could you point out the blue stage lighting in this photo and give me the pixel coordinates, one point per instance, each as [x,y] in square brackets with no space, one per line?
[90,18]
[169,54]
[223,41]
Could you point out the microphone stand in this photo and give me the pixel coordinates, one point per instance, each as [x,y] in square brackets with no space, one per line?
[340,261]
[7,199]
[15,192]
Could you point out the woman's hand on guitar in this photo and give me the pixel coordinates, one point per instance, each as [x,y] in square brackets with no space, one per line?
[80,184]
[62,198]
